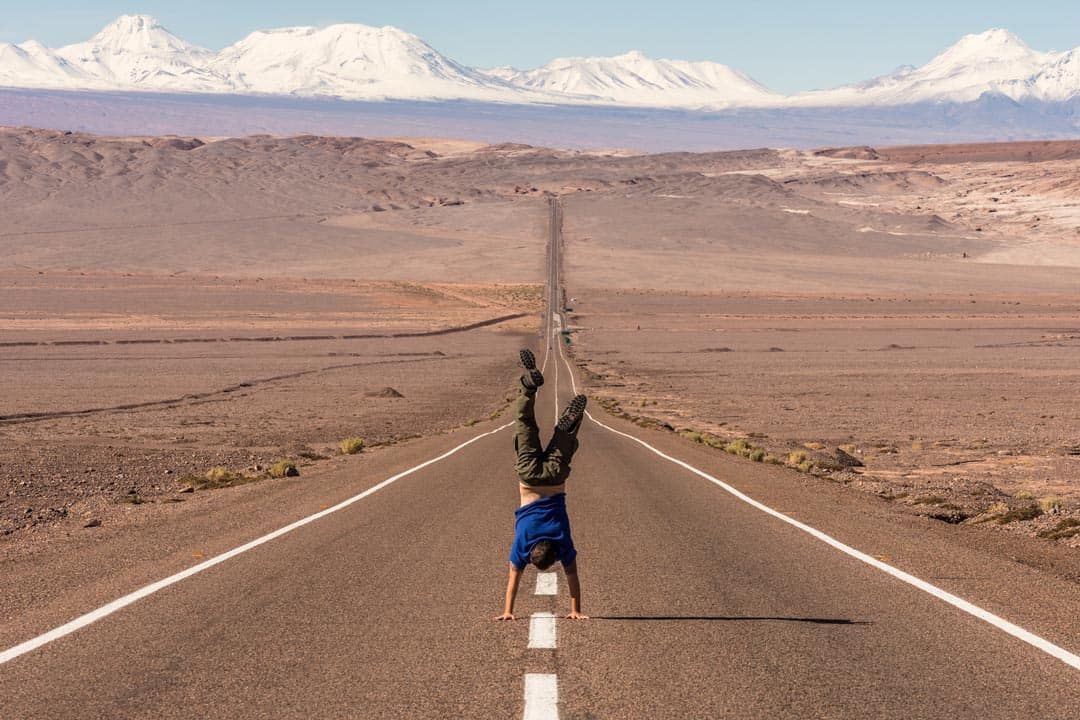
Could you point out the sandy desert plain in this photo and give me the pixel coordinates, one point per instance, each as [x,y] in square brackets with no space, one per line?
[173,305]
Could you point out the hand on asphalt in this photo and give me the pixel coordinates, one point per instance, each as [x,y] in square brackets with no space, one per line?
[504,616]
[577,616]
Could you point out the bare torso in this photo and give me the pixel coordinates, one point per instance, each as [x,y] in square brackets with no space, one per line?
[529,493]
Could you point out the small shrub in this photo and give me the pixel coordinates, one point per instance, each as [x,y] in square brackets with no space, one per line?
[772,460]
[1025,513]
[849,449]
[796,458]
[998,508]
[471,422]
[737,447]
[713,441]
[806,465]
[757,455]
[351,446]
[219,477]
[691,435]
[1050,505]
[1064,529]
[1024,495]
[283,468]
[217,474]
[813,445]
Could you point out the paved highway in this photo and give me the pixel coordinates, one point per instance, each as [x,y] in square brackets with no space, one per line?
[717,588]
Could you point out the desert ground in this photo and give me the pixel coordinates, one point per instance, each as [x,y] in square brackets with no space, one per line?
[172,305]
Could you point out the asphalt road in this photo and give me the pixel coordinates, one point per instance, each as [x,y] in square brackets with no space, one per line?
[703,605]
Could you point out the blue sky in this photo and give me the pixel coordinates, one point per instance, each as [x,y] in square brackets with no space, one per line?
[788,46]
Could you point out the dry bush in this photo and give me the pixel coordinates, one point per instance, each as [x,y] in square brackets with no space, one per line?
[351,446]
[1064,529]
[283,468]
[1025,513]
[1050,505]
[219,477]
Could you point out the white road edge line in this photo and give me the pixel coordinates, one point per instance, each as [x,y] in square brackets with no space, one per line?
[547,583]
[106,610]
[541,697]
[555,339]
[547,348]
[1000,623]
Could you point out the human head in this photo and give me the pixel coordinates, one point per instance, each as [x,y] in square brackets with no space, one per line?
[543,554]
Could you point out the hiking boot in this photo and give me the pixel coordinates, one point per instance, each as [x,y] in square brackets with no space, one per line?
[570,419]
[532,378]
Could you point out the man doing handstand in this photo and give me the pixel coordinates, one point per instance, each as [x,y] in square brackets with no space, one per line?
[542,527]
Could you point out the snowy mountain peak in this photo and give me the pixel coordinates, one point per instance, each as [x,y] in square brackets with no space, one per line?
[995,62]
[353,61]
[140,34]
[34,47]
[997,53]
[131,24]
[996,43]
[137,51]
[633,78]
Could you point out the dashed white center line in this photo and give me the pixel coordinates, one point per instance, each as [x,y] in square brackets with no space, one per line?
[541,696]
[542,631]
[547,583]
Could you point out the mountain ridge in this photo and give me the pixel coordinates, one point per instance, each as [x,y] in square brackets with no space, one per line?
[361,62]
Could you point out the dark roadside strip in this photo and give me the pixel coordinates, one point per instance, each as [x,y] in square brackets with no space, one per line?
[22,418]
[271,338]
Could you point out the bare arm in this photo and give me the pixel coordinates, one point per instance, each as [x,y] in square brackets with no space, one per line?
[511,593]
[575,593]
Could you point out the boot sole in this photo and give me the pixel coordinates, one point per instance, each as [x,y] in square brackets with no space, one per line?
[573,413]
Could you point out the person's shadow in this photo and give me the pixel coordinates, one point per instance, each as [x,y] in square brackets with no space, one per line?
[730,618]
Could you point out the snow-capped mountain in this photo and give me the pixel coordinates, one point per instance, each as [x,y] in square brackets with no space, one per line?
[353,62]
[31,64]
[1060,80]
[995,62]
[136,52]
[637,80]
[358,62]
